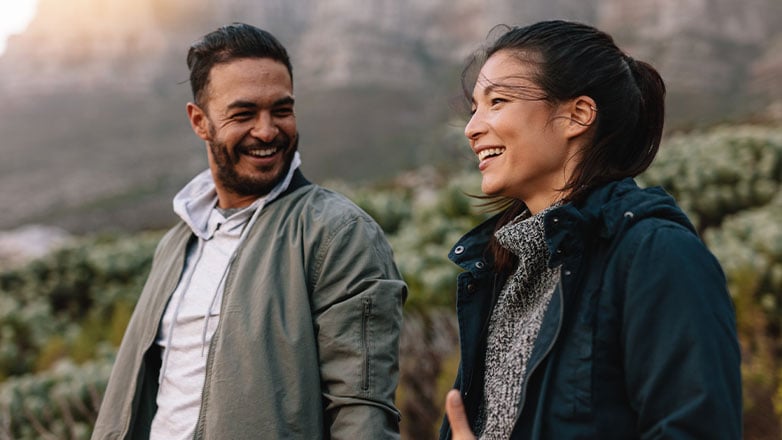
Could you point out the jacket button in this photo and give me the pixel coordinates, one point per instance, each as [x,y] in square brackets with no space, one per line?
[479,265]
[567,273]
[458,250]
[471,288]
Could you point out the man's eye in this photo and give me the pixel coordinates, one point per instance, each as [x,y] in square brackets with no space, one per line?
[282,112]
[242,115]
[496,101]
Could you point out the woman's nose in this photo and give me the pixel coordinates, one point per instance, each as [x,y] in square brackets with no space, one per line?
[475,126]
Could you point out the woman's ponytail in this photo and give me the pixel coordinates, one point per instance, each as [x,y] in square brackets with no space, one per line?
[647,133]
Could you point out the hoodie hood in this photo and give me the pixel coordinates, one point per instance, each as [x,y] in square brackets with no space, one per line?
[607,212]
[194,203]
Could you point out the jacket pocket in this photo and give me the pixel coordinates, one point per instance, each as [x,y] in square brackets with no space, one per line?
[366,316]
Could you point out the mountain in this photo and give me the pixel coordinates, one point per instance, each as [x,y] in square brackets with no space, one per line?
[94,133]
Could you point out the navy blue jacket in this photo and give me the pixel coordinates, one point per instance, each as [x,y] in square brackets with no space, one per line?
[639,339]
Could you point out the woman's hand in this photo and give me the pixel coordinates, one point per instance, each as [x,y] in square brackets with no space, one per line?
[454,409]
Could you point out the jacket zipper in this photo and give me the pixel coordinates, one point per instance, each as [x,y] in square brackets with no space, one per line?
[365,341]
[467,381]
[201,421]
[545,353]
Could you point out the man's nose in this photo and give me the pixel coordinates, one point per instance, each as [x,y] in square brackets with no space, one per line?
[265,128]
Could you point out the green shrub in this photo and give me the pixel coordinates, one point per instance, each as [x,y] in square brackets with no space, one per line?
[720,172]
[67,303]
[61,403]
[61,317]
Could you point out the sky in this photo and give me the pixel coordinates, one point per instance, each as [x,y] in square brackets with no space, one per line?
[15,15]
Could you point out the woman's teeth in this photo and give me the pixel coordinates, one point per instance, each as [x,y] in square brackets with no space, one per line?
[483,154]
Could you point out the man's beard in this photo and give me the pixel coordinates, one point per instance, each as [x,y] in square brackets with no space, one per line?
[263,181]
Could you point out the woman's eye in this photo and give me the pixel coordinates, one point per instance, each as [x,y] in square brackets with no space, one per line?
[496,101]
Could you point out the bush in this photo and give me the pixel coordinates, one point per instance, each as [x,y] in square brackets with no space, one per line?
[720,172]
[66,304]
[62,316]
[61,403]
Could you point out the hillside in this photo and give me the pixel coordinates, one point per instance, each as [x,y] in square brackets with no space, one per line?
[63,315]
[93,127]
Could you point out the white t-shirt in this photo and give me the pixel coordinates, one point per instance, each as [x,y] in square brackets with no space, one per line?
[187,327]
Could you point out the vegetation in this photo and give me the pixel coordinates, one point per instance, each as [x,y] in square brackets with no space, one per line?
[62,317]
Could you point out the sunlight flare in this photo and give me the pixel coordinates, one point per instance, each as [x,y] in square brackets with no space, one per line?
[15,16]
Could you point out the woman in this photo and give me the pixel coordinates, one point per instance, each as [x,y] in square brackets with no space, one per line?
[589,308]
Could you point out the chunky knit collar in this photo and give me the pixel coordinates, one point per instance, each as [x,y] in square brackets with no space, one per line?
[525,236]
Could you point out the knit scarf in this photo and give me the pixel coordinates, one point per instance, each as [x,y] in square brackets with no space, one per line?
[515,323]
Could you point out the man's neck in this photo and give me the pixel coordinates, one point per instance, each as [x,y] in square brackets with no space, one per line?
[228,212]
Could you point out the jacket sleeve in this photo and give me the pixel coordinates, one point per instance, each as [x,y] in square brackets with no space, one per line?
[357,306]
[681,353]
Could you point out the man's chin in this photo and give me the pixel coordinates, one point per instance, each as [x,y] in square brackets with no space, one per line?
[257,186]
[261,183]
[253,179]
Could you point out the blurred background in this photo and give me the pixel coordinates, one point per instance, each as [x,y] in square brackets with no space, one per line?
[94,143]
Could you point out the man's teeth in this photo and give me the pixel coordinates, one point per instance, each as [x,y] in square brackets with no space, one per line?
[483,154]
[263,153]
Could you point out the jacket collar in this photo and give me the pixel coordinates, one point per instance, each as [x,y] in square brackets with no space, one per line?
[297,181]
[194,203]
[605,213]
[470,252]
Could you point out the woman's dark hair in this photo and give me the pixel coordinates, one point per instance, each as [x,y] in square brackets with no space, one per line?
[237,40]
[571,60]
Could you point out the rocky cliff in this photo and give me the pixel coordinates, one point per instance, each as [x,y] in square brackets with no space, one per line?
[94,130]
[701,46]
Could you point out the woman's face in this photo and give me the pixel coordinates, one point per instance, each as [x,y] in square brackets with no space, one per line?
[519,138]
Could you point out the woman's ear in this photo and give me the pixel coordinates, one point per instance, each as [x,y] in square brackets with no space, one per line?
[198,121]
[582,113]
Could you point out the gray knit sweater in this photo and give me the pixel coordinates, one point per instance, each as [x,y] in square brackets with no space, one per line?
[514,324]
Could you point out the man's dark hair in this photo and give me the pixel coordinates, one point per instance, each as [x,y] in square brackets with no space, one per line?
[237,40]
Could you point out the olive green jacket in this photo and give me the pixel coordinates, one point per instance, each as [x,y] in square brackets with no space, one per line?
[307,346]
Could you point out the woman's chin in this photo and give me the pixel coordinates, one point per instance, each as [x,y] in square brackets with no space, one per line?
[490,189]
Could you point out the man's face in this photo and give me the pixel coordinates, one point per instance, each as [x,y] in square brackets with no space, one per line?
[249,127]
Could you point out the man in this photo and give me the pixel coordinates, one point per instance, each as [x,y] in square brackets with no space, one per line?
[273,309]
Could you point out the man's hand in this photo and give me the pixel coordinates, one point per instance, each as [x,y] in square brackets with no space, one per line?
[454,409]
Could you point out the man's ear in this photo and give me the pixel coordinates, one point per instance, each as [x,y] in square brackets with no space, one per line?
[198,121]
[582,113]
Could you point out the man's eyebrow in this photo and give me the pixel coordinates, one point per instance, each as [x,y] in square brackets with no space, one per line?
[288,100]
[240,103]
